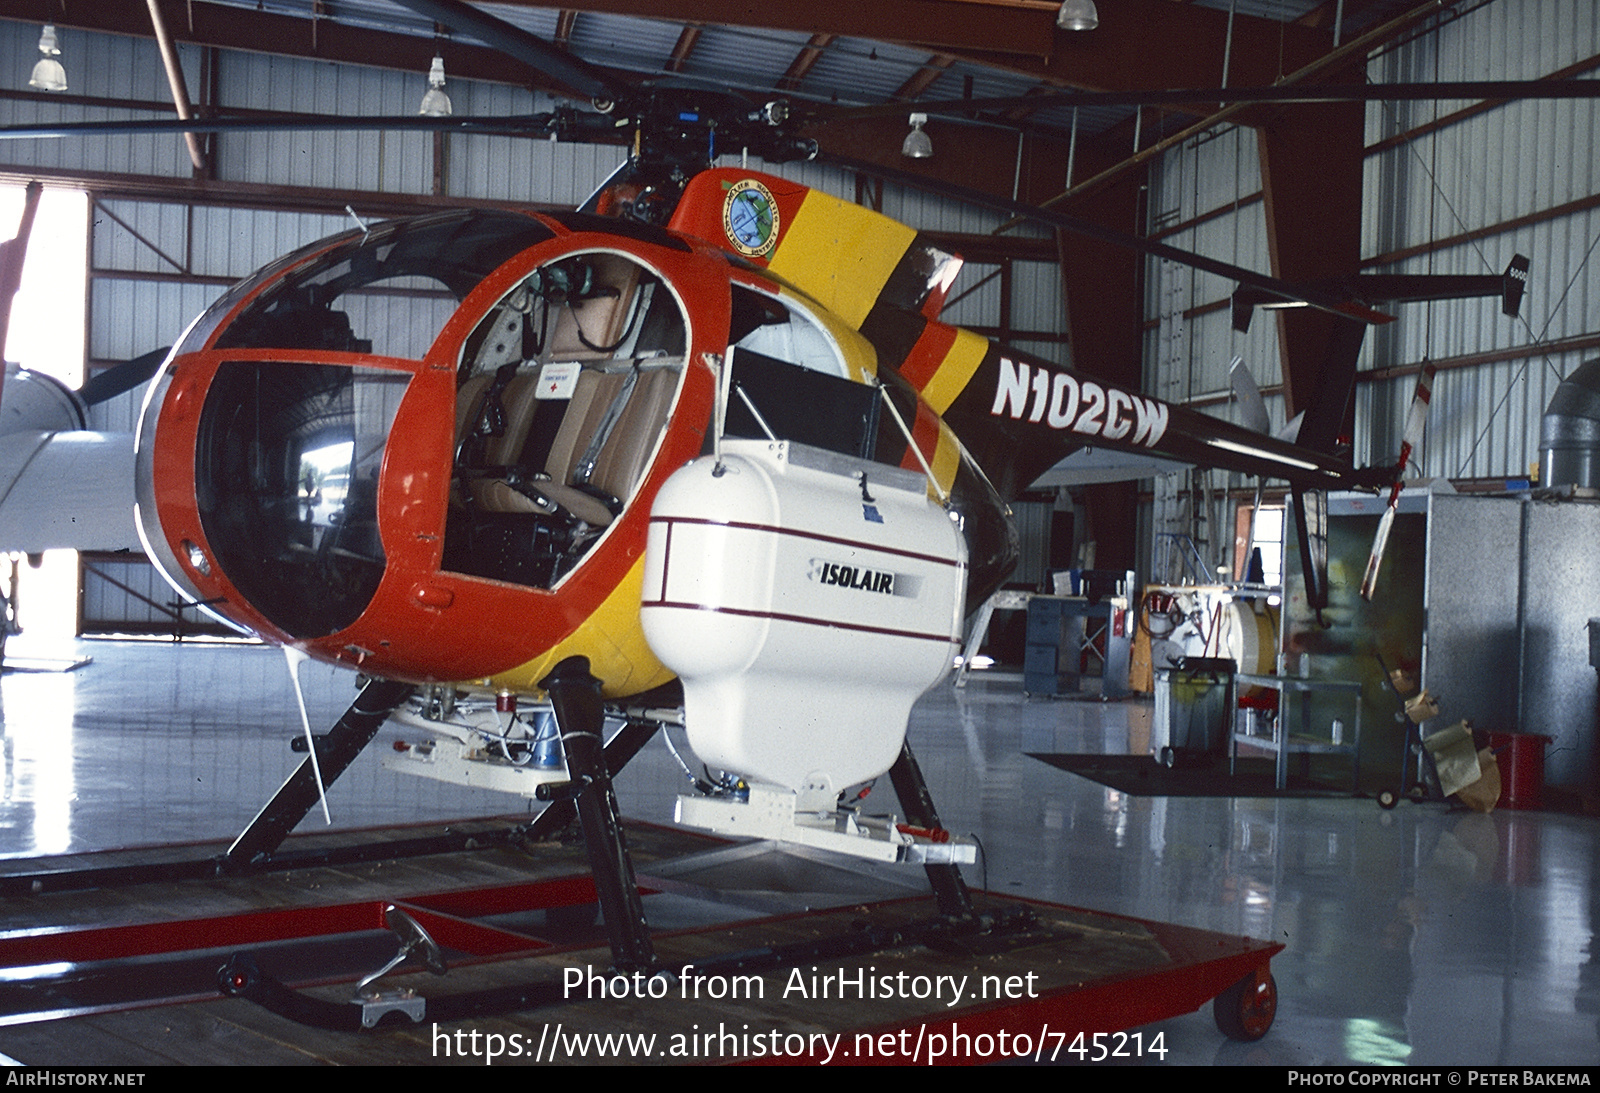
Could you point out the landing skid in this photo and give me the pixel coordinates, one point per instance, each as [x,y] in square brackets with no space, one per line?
[1015,927]
[300,793]
[1036,974]
[587,794]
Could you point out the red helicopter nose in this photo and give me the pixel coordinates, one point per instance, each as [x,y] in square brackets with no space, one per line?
[334,454]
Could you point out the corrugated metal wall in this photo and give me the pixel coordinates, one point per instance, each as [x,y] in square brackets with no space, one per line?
[1519,177]
[1187,357]
[1531,159]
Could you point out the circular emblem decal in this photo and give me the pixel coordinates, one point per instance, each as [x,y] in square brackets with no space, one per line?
[750,218]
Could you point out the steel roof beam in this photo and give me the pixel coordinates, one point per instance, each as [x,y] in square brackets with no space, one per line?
[804,61]
[683,49]
[924,77]
[1142,43]
[566,23]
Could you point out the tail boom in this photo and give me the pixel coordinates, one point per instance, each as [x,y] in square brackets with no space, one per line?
[1019,415]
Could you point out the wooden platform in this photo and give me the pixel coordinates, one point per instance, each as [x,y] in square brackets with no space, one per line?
[1028,993]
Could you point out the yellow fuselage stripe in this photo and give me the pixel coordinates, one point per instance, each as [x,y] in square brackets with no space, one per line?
[613,640]
[946,458]
[955,371]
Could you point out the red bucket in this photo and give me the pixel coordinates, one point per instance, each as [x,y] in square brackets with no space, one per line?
[1521,759]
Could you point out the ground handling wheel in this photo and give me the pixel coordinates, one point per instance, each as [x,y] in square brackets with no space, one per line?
[1245,1010]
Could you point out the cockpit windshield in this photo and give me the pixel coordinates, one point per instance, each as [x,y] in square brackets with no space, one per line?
[286,477]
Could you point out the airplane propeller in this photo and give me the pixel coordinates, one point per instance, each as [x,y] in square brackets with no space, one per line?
[12,254]
[122,377]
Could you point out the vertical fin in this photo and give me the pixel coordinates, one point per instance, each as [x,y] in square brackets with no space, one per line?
[1252,408]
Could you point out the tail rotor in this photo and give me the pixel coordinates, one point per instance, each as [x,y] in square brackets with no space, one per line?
[1416,422]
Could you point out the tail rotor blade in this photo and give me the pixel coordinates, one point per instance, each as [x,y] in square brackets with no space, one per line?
[1380,542]
[1311,530]
[1416,422]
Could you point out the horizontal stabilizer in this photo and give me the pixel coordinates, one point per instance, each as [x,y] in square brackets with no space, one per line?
[1087,466]
[1364,289]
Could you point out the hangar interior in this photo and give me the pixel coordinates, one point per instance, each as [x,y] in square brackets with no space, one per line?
[1424,935]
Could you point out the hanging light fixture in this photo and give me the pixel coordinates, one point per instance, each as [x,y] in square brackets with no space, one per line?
[917,143]
[48,75]
[1077,15]
[435,103]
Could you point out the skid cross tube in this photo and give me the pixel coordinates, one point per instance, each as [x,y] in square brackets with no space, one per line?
[299,794]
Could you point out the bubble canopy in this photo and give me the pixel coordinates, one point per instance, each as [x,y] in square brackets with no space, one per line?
[376,443]
[287,451]
[386,291]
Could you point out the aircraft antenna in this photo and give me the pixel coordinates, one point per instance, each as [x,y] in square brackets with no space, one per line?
[360,223]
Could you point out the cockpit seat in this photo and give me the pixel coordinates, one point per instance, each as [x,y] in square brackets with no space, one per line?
[498,482]
[611,425]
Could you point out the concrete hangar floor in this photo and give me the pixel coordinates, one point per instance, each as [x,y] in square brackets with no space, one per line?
[1419,936]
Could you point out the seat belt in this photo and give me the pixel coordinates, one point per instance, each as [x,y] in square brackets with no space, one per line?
[584,469]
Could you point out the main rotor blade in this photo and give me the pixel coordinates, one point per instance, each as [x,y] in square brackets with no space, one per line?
[1211,96]
[586,79]
[1315,297]
[506,125]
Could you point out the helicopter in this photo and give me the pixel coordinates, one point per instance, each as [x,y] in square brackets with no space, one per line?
[461,453]
[463,494]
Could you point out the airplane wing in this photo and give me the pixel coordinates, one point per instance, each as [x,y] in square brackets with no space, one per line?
[67,489]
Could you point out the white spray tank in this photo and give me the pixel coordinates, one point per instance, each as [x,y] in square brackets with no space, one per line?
[806,600]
